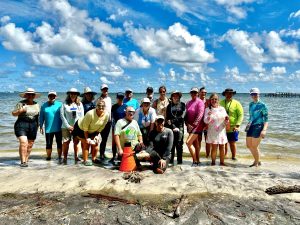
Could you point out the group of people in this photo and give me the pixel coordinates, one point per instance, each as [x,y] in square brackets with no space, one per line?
[154,128]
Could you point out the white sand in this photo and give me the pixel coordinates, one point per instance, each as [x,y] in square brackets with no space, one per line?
[236,179]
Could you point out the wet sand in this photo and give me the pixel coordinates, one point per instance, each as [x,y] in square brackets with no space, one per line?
[50,193]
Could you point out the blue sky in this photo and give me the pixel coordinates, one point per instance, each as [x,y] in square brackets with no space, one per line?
[59,44]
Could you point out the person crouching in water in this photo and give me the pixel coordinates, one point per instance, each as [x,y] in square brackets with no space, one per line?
[87,130]
[159,148]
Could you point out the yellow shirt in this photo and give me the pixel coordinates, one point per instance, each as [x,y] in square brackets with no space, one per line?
[91,122]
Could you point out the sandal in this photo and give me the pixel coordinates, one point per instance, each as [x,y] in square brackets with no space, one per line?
[87,163]
[24,164]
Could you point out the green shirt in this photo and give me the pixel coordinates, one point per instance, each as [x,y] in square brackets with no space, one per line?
[235,112]
[128,134]
[91,122]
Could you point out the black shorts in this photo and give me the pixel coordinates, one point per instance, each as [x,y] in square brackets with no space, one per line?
[49,139]
[26,128]
[77,132]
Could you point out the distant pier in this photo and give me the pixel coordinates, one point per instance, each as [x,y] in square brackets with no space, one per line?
[283,95]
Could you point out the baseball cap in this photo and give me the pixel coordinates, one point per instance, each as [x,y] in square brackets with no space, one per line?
[149,89]
[146,100]
[120,95]
[254,91]
[52,93]
[194,89]
[104,86]
[160,117]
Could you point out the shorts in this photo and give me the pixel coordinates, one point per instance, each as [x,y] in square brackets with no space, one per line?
[77,132]
[26,128]
[66,135]
[233,136]
[49,139]
[255,130]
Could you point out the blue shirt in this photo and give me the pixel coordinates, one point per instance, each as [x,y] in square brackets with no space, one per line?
[132,102]
[87,106]
[50,114]
[258,112]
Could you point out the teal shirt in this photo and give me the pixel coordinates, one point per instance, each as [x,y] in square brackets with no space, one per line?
[258,112]
[132,102]
[50,115]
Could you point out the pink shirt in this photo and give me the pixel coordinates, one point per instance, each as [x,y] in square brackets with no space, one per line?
[194,114]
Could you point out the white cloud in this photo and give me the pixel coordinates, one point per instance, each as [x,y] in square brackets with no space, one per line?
[111,70]
[104,80]
[295,14]
[290,33]
[258,49]
[280,51]
[236,7]
[17,39]
[248,48]
[58,61]
[134,61]
[28,74]
[234,74]
[4,19]
[278,70]
[175,45]
[73,72]
[295,76]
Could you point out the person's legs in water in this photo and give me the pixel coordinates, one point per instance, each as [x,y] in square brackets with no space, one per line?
[104,136]
[58,138]
[49,142]
[23,144]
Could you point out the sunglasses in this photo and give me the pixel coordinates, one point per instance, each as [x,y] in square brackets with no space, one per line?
[162,92]
[30,94]
[130,112]
[51,96]
[253,94]
[100,106]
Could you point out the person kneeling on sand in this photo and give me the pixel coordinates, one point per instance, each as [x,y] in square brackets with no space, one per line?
[128,130]
[87,130]
[159,150]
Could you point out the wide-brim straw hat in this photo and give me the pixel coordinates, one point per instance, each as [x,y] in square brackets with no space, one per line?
[228,90]
[176,92]
[30,91]
[88,90]
[73,90]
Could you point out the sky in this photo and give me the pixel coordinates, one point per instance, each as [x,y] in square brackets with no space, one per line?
[239,44]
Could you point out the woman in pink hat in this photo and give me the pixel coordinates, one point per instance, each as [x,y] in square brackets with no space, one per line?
[26,125]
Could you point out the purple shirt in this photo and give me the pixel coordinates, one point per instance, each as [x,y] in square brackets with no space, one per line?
[194,114]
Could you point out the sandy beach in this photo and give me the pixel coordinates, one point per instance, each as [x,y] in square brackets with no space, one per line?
[216,191]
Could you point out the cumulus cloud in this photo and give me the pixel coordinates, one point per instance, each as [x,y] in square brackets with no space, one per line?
[75,41]
[248,48]
[278,70]
[290,33]
[295,14]
[28,74]
[175,45]
[4,19]
[258,49]
[104,80]
[295,76]
[134,61]
[234,74]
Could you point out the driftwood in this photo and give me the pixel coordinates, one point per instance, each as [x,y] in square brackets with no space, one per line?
[279,189]
[111,198]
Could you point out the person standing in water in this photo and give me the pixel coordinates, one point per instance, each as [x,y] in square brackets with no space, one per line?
[50,116]
[257,125]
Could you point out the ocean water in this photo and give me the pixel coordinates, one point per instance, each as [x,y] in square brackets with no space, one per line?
[282,140]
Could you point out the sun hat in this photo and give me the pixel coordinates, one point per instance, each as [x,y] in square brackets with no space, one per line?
[146,100]
[52,93]
[228,90]
[104,86]
[120,95]
[160,117]
[129,90]
[254,91]
[176,92]
[194,89]
[88,90]
[149,89]
[73,90]
[30,91]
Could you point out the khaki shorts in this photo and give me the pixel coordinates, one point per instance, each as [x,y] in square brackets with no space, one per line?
[66,135]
